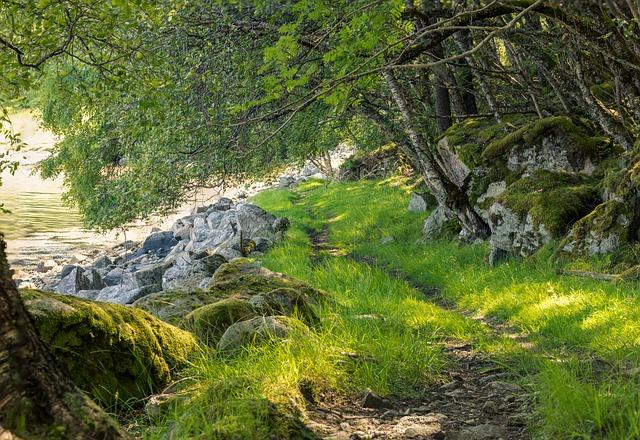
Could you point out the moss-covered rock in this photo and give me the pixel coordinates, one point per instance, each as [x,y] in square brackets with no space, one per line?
[241,279]
[258,330]
[209,322]
[613,226]
[111,351]
[555,200]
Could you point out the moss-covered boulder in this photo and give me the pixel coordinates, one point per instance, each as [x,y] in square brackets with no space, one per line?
[111,351]
[613,227]
[258,330]
[241,279]
[209,322]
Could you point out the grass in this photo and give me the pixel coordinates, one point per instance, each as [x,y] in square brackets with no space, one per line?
[585,334]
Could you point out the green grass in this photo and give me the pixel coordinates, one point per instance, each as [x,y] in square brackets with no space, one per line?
[574,323]
[577,326]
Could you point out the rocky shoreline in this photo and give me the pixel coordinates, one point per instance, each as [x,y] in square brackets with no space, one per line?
[184,256]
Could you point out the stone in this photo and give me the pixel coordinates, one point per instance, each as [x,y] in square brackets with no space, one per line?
[210,322]
[419,426]
[66,269]
[88,294]
[102,262]
[223,204]
[148,275]
[184,233]
[191,275]
[435,223]
[214,218]
[497,255]
[281,224]
[515,233]
[387,240]
[482,432]
[262,244]
[125,294]
[78,280]
[284,301]
[46,266]
[372,400]
[254,221]
[286,181]
[253,331]
[417,203]
[159,242]
[110,351]
[114,276]
[77,258]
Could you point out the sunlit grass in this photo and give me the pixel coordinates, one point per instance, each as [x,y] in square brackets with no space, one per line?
[573,321]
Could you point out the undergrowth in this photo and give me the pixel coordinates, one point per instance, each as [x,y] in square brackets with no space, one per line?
[379,332]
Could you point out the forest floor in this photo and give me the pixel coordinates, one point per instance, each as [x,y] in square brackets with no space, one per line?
[424,340]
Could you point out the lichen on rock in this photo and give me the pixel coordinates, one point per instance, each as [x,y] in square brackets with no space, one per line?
[113,352]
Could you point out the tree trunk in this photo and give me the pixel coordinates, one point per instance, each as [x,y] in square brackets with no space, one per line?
[37,399]
[447,193]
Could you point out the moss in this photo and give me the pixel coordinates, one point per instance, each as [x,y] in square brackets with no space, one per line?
[242,279]
[113,352]
[209,322]
[561,126]
[469,137]
[555,200]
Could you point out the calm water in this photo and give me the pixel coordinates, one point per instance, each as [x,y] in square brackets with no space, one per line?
[40,226]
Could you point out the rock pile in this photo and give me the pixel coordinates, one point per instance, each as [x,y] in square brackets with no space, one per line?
[184,257]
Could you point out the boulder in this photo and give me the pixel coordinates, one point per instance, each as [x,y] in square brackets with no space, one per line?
[240,279]
[281,224]
[102,262]
[209,322]
[435,225]
[254,331]
[79,279]
[191,275]
[159,243]
[125,294]
[110,351]
[417,203]
[539,208]
[223,204]
[114,276]
[254,221]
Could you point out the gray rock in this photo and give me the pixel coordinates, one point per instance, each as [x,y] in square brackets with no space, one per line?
[200,231]
[435,222]
[159,242]
[95,280]
[286,181]
[417,203]
[262,244]
[214,219]
[425,426]
[88,294]
[193,275]
[78,280]
[46,266]
[254,221]
[125,294]
[496,255]
[372,400]
[514,233]
[149,275]
[224,204]
[102,262]
[254,330]
[281,224]
[113,277]
[66,269]
[183,233]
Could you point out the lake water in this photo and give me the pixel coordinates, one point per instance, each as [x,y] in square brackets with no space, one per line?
[40,226]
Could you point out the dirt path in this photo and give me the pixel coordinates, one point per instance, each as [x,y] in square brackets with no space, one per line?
[476,400]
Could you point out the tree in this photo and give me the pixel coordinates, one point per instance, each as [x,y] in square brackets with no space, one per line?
[37,399]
